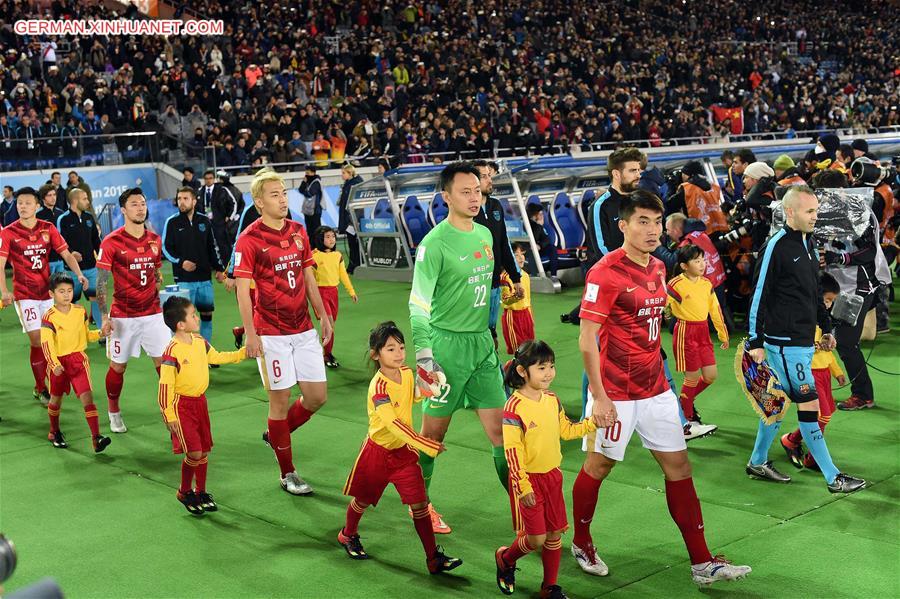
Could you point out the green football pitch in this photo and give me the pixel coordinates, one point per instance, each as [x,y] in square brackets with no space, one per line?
[109,525]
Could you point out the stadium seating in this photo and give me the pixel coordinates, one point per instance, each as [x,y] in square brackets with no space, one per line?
[566,223]
[437,209]
[414,220]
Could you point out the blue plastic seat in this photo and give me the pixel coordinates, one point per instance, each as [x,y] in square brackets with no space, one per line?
[415,221]
[437,209]
[565,220]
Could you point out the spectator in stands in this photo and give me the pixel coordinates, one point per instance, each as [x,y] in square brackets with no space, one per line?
[190,180]
[171,124]
[76,181]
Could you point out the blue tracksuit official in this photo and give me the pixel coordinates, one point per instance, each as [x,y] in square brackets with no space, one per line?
[188,237]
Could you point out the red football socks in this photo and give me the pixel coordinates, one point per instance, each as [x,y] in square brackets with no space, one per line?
[38,369]
[114,382]
[200,474]
[188,466]
[422,522]
[685,510]
[298,415]
[280,440]
[53,412]
[90,414]
[516,550]
[354,514]
[584,502]
[551,556]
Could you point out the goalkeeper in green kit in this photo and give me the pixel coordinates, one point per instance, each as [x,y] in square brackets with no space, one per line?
[456,364]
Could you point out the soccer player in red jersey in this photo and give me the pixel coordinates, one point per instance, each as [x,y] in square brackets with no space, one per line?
[26,244]
[621,319]
[274,252]
[133,255]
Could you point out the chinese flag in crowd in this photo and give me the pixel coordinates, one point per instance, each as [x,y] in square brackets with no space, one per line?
[735,113]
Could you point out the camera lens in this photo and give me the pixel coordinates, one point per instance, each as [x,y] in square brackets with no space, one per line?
[7,558]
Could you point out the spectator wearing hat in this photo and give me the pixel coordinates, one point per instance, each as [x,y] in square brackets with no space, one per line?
[786,172]
[759,184]
[860,148]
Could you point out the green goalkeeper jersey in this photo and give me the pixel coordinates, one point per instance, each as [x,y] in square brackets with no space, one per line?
[451,288]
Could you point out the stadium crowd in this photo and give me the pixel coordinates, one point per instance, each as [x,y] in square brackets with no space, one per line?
[323,81]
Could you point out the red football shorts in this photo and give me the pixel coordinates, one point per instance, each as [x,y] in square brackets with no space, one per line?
[377,466]
[822,377]
[330,299]
[692,346]
[76,375]
[193,416]
[549,512]
[518,327]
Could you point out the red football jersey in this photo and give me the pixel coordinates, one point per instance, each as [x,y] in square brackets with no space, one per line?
[28,251]
[133,262]
[628,300]
[275,260]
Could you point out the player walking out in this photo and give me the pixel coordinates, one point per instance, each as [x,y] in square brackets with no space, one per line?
[449,306]
[133,255]
[621,317]
[786,306]
[275,253]
[27,243]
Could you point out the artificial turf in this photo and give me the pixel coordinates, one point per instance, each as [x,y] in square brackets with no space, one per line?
[109,525]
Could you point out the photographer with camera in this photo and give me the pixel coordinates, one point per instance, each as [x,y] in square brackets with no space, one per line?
[698,198]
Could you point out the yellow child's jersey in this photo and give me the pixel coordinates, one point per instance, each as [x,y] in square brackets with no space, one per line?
[531,434]
[64,333]
[507,292]
[390,413]
[694,301]
[330,270]
[185,371]
[825,359]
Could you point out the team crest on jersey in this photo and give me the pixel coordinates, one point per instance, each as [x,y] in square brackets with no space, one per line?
[804,389]
[154,249]
[488,252]
[299,241]
[497,215]
[45,237]
[202,227]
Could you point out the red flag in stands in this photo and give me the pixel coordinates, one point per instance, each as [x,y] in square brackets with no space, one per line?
[735,113]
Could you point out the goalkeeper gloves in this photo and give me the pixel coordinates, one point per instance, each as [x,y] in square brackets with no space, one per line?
[430,377]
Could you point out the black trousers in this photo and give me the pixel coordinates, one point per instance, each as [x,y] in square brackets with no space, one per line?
[847,337]
[353,246]
[313,222]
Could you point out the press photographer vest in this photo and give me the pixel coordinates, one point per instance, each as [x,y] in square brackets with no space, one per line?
[705,205]
[887,193]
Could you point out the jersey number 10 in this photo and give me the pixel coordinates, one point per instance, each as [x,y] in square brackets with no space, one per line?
[653,326]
